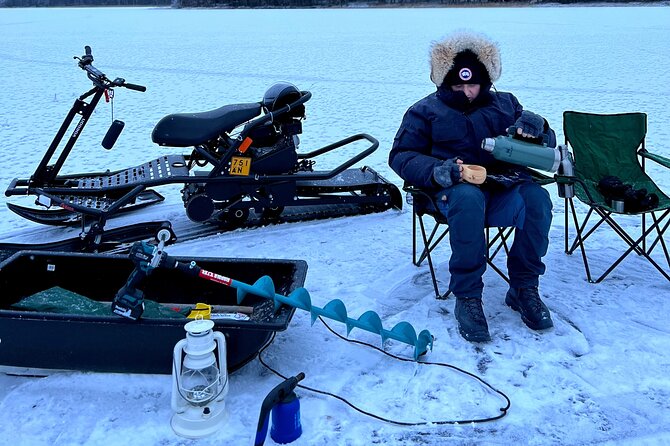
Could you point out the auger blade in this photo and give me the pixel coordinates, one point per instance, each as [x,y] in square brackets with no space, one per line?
[263,287]
[402,332]
[336,310]
[300,299]
[423,342]
[368,321]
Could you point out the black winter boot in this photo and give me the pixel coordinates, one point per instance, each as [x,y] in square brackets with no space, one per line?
[534,312]
[471,320]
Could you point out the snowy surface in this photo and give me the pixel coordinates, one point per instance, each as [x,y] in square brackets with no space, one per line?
[600,376]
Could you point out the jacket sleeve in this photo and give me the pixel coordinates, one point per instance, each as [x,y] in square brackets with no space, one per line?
[410,156]
[551,135]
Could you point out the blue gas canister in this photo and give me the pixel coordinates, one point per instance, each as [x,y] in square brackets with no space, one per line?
[284,405]
[286,425]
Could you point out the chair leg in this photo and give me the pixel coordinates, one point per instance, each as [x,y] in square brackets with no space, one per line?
[414,217]
[427,250]
[432,244]
[659,238]
[503,235]
[634,245]
[501,240]
[581,230]
[579,241]
[605,215]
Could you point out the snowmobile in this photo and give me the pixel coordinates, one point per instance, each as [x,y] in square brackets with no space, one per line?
[243,168]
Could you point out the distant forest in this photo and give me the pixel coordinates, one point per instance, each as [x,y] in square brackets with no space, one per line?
[288,3]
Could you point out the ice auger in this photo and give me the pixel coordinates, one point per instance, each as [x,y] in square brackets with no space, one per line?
[265,288]
[336,310]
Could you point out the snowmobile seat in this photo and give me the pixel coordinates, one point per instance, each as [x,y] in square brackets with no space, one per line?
[192,129]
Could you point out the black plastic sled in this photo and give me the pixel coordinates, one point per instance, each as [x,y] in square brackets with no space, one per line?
[243,167]
[52,336]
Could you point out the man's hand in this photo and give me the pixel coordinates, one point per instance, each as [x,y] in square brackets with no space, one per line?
[448,173]
[529,125]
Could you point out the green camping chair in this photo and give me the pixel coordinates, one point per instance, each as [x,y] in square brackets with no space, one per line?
[613,145]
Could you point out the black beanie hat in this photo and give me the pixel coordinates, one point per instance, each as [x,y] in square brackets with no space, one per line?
[467,69]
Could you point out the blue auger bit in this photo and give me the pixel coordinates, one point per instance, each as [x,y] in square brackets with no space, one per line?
[336,310]
[148,257]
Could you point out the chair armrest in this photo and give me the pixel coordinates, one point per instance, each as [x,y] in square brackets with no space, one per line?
[662,160]
[566,179]
[541,178]
[415,191]
[571,180]
[423,203]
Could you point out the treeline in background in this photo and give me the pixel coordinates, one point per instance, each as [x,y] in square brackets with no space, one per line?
[288,3]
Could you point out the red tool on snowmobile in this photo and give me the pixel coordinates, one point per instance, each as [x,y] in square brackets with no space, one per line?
[243,168]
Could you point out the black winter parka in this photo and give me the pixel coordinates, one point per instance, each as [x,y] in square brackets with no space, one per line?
[444,125]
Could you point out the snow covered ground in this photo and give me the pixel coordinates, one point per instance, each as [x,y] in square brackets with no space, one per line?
[601,376]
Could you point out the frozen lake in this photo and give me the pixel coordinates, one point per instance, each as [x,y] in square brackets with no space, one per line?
[601,376]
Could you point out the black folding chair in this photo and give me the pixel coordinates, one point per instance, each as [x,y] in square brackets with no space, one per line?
[425,215]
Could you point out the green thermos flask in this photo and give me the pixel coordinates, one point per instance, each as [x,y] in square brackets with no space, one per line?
[515,151]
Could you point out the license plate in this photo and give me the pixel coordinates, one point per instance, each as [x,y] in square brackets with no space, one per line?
[240,165]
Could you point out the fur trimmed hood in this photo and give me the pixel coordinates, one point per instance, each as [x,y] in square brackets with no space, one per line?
[442,54]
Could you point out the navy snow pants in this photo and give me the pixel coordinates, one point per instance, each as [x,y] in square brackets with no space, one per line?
[468,209]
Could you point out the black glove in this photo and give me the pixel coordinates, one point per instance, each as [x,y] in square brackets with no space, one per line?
[447,173]
[530,124]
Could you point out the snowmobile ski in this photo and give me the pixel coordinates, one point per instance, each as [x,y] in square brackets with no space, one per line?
[63,217]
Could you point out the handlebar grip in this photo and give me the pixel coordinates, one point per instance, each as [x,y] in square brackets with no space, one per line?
[135,87]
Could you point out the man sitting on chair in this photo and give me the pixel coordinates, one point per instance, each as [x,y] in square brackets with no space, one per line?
[444,130]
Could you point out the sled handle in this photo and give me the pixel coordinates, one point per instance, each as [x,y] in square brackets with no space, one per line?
[374,144]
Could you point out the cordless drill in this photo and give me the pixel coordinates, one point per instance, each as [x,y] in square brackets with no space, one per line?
[129,300]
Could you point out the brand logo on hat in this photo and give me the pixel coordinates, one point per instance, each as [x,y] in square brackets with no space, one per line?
[465,74]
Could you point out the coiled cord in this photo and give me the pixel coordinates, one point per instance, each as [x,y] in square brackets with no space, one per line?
[503,410]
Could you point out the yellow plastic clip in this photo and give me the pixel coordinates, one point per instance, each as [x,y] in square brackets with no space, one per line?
[201,311]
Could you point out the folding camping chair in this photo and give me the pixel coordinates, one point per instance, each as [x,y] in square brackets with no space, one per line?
[610,145]
[423,206]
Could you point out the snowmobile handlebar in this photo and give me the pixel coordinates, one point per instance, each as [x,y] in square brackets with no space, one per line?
[98,78]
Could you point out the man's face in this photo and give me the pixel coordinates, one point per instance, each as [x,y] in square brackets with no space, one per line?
[471,90]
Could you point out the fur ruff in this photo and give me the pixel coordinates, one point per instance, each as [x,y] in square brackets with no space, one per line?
[442,54]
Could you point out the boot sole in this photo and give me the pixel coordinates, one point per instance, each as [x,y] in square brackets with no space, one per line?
[543,325]
[474,337]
